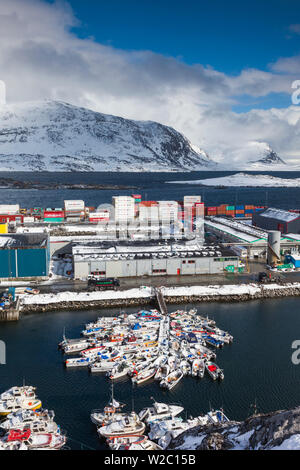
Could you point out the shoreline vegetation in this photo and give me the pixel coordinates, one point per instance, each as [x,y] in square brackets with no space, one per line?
[145,295]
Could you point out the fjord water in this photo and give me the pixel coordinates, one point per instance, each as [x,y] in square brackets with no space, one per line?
[257,366]
[152,186]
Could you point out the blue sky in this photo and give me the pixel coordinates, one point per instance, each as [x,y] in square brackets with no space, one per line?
[227,35]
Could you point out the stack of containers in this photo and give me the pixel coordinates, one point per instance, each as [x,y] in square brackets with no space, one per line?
[239,211]
[74,210]
[190,211]
[167,211]
[124,209]
[249,209]
[221,210]
[98,217]
[54,216]
[148,211]
[137,199]
[230,211]
[211,210]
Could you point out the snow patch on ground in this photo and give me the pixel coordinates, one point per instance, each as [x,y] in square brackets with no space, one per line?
[245,179]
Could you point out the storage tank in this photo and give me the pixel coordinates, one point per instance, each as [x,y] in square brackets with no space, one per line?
[273,255]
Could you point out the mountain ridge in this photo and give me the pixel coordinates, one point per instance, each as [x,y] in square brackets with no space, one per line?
[57,136]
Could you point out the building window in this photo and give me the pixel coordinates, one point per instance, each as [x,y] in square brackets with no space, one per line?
[159,271]
[191,261]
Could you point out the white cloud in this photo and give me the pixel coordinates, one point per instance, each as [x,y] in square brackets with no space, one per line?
[41,58]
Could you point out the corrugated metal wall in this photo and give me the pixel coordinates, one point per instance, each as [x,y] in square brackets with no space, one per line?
[32,262]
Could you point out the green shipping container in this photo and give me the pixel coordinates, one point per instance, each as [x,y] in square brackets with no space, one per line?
[230,208]
[230,269]
[54,220]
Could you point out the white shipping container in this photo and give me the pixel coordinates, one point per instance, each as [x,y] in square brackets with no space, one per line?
[28,220]
[71,205]
[9,209]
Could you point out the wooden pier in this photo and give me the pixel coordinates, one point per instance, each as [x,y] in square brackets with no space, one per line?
[12,313]
[161,301]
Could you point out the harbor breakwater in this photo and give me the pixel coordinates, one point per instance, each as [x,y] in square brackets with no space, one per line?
[172,295]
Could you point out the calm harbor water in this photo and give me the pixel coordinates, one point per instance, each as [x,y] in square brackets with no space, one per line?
[257,366]
[152,186]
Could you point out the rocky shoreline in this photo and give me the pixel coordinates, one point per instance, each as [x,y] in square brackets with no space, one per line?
[10,183]
[279,430]
[287,291]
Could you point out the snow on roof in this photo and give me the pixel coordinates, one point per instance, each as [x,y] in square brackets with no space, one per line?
[293,236]
[280,214]
[237,229]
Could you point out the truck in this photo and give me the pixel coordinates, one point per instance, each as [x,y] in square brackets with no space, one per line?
[103,283]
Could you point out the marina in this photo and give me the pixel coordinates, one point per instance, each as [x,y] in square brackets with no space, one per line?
[257,367]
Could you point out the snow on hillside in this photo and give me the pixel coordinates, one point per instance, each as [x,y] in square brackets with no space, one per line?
[56,136]
[244,179]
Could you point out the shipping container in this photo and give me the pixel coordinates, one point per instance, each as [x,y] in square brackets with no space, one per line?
[74,205]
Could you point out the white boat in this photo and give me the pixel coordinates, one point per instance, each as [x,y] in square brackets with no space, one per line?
[120,370]
[159,411]
[196,367]
[144,445]
[185,367]
[11,406]
[123,443]
[36,441]
[172,380]
[111,412]
[78,362]
[144,375]
[26,391]
[159,429]
[162,372]
[214,371]
[131,425]
[23,418]
[201,370]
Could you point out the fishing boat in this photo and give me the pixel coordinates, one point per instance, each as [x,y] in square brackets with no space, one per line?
[130,425]
[26,391]
[24,418]
[11,406]
[172,380]
[36,441]
[159,411]
[110,412]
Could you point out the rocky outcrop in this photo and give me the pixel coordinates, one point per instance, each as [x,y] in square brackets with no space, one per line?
[280,429]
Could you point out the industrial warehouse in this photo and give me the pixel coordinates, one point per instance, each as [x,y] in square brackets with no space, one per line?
[24,255]
[133,238]
[131,260]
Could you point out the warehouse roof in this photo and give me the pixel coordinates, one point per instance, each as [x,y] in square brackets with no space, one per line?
[119,252]
[279,214]
[239,230]
[22,240]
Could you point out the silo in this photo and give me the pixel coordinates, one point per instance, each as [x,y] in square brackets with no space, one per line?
[273,255]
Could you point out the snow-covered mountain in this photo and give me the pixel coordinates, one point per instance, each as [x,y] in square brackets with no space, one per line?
[269,158]
[56,136]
